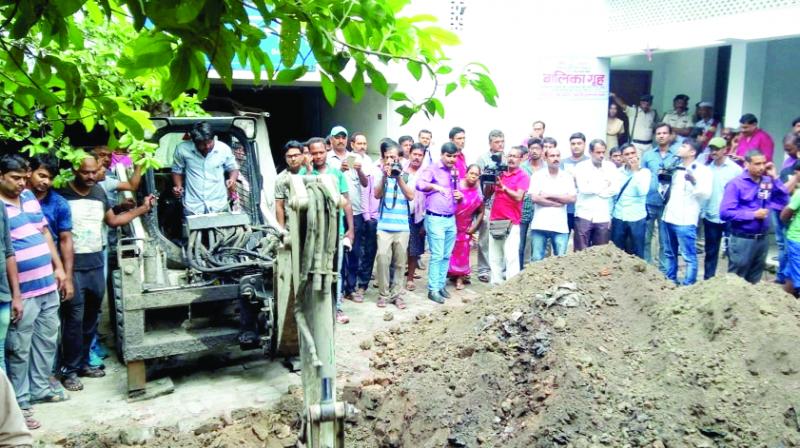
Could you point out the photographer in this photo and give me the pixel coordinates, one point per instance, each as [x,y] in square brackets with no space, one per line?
[745,205]
[505,217]
[489,159]
[690,187]
[392,189]
[661,157]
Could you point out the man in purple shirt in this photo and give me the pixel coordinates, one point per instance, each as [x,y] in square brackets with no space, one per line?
[438,182]
[745,206]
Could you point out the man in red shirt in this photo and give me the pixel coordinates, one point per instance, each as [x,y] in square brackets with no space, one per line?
[505,218]
[752,137]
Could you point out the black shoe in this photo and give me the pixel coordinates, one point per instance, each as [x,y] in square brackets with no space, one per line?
[443,292]
[436,297]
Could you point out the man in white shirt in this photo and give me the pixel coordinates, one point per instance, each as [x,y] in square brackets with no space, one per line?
[551,191]
[598,181]
[691,185]
[641,119]
[629,209]
[360,165]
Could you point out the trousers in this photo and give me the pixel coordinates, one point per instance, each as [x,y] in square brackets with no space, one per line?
[504,255]
[79,318]
[392,255]
[588,234]
[747,258]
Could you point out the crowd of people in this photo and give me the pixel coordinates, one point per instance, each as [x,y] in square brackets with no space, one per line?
[681,193]
[652,198]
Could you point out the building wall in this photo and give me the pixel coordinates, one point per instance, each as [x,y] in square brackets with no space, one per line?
[781,95]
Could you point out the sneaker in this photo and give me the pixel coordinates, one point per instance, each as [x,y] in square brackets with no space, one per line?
[341,317]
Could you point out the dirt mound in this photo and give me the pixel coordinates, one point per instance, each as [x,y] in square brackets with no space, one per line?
[592,349]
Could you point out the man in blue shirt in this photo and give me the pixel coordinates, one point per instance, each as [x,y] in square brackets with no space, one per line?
[198,172]
[629,210]
[657,159]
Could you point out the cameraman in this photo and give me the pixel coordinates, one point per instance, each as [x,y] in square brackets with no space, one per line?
[497,143]
[505,217]
[691,186]
[392,190]
[661,157]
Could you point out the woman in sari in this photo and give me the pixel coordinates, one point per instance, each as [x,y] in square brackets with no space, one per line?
[469,215]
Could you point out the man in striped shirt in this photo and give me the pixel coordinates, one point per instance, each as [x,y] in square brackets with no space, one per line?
[394,193]
[31,341]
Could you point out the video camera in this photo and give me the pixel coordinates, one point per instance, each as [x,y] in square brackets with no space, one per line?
[493,169]
[396,170]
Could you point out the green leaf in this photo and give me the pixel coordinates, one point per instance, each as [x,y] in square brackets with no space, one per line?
[378,81]
[291,74]
[357,84]
[444,70]
[415,68]
[343,85]
[290,41]
[188,10]
[407,112]
[66,8]
[180,70]
[439,107]
[442,36]
[328,89]
[451,86]
[399,96]
[149,50]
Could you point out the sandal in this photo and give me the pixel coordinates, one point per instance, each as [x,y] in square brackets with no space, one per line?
[381,302]
[54,396]
[484,278]
[72,383]
[32,423]
[356,297]
[410,286]
[400,303]
[91,372]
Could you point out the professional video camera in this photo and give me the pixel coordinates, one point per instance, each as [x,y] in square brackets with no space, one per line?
[493,169]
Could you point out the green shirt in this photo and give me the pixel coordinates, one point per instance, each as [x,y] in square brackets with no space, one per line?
[793,231]
[341,182]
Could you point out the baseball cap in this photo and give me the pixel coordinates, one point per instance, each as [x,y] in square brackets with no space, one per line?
[339,130]
[718,142]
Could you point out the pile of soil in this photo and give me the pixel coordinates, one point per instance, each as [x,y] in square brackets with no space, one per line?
[592,349]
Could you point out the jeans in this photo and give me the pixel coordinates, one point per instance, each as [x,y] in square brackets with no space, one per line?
[654,213]
[369,247]
[682,240]
[524,231]
[353,257]
[504,255]
[629,235]
[588,234]
[79,318]
[747,257]
[5,321]
[441,236]
[713,233]
[483,246]
[31,346]
[539,239]
[780,241]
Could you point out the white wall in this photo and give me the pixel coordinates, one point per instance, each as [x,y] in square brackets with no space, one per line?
[517,40]
[367,116]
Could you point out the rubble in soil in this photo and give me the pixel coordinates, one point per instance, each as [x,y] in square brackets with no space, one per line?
[591,349]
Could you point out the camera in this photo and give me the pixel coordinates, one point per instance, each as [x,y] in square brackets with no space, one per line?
[493,169]
[396,170]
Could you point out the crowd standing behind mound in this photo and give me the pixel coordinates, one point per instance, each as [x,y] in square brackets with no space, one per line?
[665,181]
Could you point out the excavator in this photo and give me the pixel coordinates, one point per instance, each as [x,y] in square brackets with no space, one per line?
[181,285]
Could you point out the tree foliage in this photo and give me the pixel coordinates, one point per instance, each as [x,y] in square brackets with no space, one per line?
[114,62]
